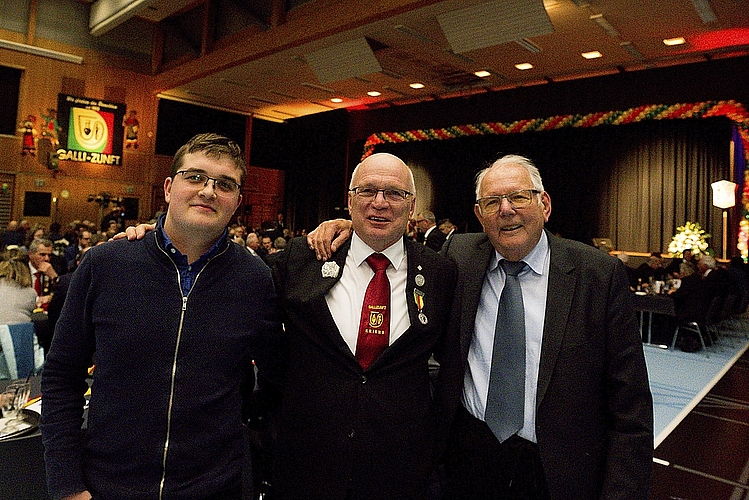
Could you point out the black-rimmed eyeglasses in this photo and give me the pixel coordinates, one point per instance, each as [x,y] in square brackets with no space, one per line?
[518,199]
[391,194]
[225,187]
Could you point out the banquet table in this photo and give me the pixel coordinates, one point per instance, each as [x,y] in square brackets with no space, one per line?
[649,305]
[22,461]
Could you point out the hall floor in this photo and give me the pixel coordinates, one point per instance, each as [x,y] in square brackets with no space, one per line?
[706,457]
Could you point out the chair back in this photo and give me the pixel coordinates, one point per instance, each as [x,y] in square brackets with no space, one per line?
[17,342]
[729,304]
[713,312]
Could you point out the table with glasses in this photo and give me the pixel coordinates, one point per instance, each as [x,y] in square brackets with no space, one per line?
[650,304]
[22,459]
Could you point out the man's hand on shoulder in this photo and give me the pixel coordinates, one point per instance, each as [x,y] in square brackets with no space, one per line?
[134,232]
[328,237]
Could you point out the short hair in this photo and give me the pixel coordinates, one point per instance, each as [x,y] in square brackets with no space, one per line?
[279,243]
[708,261]
[213,146]
[39,242]
[428,215]
[517,160]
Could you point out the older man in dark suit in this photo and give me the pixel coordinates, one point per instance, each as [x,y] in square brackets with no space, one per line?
[358,419]
[427,225]
[582,428]
[585,426]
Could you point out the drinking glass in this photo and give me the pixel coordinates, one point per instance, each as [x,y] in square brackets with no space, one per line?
[14,397]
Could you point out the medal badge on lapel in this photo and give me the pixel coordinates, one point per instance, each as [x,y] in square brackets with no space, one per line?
[419,299]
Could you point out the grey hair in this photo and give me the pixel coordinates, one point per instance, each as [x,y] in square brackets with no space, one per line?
[515,160]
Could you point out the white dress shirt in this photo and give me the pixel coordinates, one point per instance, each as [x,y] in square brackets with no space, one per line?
[345,298]
[534,281]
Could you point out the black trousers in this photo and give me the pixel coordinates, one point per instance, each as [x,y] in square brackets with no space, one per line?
[479,467]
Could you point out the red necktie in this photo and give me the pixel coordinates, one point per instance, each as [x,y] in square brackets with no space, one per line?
[38,283]
[374,326]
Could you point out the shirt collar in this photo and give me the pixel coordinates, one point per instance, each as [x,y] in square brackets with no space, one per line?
[360,251]
[168,245]
[535,259]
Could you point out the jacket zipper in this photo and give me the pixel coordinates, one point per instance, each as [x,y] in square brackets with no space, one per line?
[174,363]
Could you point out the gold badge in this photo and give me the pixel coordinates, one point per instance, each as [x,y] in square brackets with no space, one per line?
[375,319]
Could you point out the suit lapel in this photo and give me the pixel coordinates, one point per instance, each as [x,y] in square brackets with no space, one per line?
[316,286]
[472,282]
[562,283]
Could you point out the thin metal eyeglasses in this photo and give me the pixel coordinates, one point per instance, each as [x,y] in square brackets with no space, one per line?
[226,187]
[391,194]
[518,199]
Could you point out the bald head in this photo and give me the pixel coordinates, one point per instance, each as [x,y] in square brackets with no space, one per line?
[381,200]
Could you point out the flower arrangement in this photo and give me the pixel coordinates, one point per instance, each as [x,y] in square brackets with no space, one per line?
[689,236]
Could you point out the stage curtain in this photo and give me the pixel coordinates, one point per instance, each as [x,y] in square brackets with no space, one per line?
[632,183]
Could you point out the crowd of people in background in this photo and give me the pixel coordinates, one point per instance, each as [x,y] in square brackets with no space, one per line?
[481,461]
[694,281]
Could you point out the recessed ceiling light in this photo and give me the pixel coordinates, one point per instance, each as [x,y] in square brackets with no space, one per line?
[593,54]
[674,41]
[336,99]
[524,66]
[417,85]
[373,93]
[482,74]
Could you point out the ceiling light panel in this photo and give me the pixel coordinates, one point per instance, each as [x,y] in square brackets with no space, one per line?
[593,54]
[494,23]
[674,41]
[345,60]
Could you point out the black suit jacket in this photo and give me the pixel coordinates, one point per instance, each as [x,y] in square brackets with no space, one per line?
[594,414]
[343,430]
[436,239]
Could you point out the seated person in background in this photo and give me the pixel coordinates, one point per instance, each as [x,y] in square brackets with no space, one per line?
[689,298]
[653,269]
[17,300]
[717,279]
[687,259]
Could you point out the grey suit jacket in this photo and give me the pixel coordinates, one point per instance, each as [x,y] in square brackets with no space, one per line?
[594,416]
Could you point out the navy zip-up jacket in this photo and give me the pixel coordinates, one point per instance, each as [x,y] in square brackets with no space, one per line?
[164,419]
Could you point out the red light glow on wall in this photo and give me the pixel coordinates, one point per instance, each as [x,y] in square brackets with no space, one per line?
[721,39]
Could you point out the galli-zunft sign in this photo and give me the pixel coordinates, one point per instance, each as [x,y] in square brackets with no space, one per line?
[91,130]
